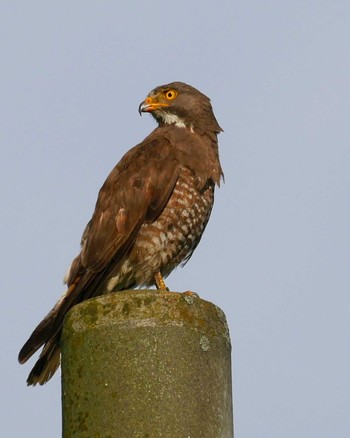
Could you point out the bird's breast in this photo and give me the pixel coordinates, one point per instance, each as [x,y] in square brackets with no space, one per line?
[172,237]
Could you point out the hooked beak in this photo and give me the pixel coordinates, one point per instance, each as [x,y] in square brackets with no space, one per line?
[149,105]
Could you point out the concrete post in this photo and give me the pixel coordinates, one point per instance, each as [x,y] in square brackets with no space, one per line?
[146,364]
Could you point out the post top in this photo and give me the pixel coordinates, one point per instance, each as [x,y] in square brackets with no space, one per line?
[148,307]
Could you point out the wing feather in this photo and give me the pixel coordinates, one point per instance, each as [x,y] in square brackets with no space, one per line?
[136,191]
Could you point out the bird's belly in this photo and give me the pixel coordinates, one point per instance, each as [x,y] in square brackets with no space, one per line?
[170,240]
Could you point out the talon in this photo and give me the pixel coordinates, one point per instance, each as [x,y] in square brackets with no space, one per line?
[160,283]
[191,294]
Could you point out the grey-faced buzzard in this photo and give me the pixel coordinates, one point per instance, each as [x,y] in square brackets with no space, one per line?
[149,216]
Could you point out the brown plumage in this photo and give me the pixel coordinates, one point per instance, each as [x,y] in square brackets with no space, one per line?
[149,216]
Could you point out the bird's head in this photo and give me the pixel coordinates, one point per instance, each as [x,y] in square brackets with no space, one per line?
[181,105]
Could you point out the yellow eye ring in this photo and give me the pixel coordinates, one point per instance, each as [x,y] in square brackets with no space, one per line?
[170,94]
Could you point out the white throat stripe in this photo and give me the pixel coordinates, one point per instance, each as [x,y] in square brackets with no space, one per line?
[172,119]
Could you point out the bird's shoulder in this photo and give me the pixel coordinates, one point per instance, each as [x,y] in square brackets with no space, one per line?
[135,192]
[138,188]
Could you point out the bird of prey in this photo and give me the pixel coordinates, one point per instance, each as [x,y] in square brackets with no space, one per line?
[149,216]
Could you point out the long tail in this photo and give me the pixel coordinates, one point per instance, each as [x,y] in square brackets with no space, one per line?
[49,359]
[47,364]
[48,333]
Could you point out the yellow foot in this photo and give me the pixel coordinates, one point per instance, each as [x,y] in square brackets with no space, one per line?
[160,283]
[191,294]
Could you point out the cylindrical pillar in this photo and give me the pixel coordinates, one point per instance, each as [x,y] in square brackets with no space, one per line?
[146,364]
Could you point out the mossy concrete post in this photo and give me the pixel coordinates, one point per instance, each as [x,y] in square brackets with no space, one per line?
[139,364]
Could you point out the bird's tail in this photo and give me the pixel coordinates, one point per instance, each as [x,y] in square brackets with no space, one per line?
[47,333]
[49,359]
[47,364]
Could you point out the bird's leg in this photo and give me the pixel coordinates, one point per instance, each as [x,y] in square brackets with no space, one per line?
[160,283]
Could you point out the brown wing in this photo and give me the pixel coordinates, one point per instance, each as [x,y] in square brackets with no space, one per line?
[136,191]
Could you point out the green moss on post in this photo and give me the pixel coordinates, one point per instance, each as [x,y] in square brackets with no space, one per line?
[146,364]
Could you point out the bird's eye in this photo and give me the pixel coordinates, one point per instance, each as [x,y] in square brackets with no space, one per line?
[170,94]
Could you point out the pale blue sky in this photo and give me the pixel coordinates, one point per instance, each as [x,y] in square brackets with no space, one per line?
[275,256]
